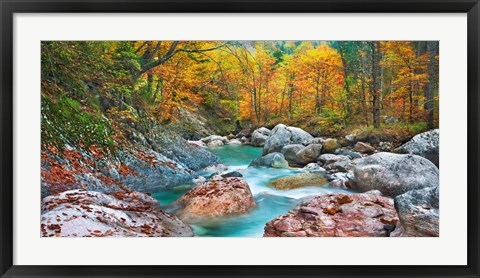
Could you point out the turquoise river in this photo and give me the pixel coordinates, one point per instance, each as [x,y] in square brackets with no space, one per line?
[271,202]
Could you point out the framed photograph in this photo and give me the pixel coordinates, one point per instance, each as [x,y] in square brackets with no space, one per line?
[239,138]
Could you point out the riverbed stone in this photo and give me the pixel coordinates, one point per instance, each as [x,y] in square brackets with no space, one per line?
[197,143]
[290,153]
[385,146]
[317,140]
[425,144]
[348,153]
[235,174]
[395,174]
[363,148]
[314,167]
[215,143]
[330,145]
[282,135]
[259,136]
[273,160]
[217,198]
[309,154]
[245,132]
[344,165]
[199,179]
[299,180]
[234,142]
[328,158]
[82,213]
[337,215]
[418,211]
[350,137]
[341,180]
[216,168]
[157,172]
[212,138]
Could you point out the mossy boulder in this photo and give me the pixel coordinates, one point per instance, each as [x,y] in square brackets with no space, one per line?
[330,145]
[299,180]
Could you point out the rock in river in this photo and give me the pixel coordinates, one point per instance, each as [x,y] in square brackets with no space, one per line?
[82,213]
[314,167]
[213,138]
[216,198]
[418,211]
[394,174]
[299,180]
[216,168]
[290,153]
[274,160]
[336,215]
[215,143]
[336,163]
[309,154]
[282,135]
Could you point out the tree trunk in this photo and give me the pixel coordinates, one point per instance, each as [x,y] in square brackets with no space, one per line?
[410,96]
[283,96]
[376,56]
[432,48]
[346,83]
[364,95]
[149,83]
[317,97]
[157,89]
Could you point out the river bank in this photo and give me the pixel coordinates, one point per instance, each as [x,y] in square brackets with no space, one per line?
[285,182]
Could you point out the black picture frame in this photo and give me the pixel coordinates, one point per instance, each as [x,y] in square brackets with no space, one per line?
[9,7]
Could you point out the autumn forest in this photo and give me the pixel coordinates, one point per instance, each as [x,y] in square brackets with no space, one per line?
[154,125]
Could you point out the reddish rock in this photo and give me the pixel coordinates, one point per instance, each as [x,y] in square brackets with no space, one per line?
[216,198]
[82,213]
[337,215]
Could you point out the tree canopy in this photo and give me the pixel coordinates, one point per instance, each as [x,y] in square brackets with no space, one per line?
[332,84]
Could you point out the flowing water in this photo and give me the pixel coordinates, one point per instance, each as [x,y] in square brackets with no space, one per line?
[271,202]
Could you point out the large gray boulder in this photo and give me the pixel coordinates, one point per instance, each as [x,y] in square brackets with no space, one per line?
[425,144]
[298,154]
[394,174]
[282,135]
[273,160]
[259,136]
[153,171]
[309,154]
[290,152]
[179,150]
[418,211]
